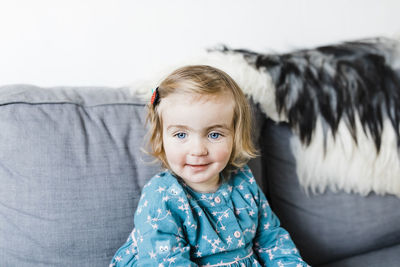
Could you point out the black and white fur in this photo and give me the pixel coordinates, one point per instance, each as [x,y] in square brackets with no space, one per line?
[342,102]
[337,82]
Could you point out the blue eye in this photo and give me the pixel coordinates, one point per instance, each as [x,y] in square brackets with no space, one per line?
[180,135]
[214,135]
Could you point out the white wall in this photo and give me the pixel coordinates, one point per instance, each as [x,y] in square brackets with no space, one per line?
[115,42]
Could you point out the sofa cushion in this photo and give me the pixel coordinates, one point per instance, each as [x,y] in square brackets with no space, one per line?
[71,170]
[388,257]
[329,226]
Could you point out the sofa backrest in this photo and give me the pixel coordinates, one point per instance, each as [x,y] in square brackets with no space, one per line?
[328,226]
[71,171]
[72,168]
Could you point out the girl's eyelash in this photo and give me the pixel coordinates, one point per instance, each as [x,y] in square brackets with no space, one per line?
[212,135]
[180,135]
[215,133]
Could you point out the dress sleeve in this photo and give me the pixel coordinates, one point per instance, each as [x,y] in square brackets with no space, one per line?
[158,238]
[126,254]
[272,243]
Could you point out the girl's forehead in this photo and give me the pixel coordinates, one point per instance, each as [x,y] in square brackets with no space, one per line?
[222,97]
[197,111]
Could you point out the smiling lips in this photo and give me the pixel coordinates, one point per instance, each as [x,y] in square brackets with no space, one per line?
[198,167]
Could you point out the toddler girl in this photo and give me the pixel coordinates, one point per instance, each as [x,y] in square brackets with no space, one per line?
[206,208]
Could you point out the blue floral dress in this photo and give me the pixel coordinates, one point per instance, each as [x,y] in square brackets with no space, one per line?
[177,226]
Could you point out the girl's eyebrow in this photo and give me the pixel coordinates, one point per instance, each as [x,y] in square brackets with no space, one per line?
[177,126]
[219,126]
[216,126]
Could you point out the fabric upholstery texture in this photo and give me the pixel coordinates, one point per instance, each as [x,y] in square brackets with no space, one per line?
[71,170]
[384,257]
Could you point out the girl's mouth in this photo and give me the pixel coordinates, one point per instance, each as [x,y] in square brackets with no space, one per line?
[198,167]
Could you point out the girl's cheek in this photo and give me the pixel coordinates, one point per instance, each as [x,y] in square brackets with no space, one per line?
[175,154]
[223,153]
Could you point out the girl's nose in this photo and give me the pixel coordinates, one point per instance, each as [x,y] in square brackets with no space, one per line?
[198,148]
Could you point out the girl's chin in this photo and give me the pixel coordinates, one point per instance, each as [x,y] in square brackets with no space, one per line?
[201,181]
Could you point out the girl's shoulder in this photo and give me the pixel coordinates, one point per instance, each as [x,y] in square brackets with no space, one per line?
[162,185]
[243,179]
[158,203]
[160,179]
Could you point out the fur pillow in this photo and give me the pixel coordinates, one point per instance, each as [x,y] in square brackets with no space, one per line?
[341,101]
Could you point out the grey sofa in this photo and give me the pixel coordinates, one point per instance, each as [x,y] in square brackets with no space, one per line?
[71,171]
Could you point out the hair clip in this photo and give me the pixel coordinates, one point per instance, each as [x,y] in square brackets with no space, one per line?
[154,97]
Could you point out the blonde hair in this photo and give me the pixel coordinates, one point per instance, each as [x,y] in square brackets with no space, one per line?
[204,80]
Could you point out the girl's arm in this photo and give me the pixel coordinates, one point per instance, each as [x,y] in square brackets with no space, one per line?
[272,243]
[158,238]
